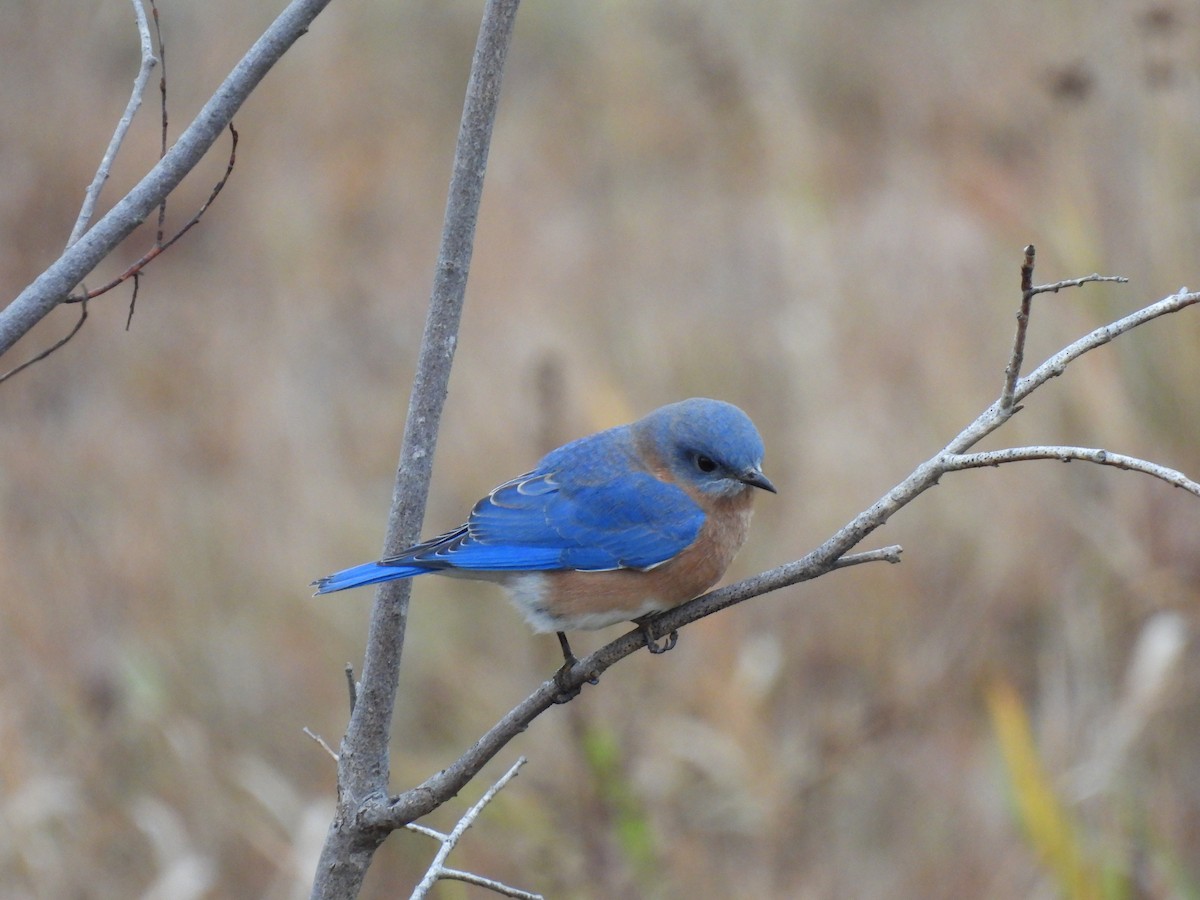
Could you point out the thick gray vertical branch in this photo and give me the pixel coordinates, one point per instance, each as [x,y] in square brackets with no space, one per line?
[52,287]
[363,761]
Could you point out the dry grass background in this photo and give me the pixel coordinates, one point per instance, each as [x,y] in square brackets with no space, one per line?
[814,210]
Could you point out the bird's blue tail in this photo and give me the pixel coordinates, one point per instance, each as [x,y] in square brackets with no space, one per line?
[367,573]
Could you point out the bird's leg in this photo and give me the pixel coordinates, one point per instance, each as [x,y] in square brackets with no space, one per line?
[569,660]
[566,693]
[644,623]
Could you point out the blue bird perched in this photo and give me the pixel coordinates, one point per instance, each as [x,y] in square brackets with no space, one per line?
[612,527]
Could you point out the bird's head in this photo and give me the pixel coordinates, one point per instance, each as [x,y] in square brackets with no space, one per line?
[707,444]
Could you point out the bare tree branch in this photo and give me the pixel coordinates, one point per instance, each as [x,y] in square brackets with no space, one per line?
[958,462]
[1056,364]
[1028,291]
[1095,277]
[92,194]
[363,761]
[102,173]
[164,126]
[430,794]
[997,414]
[53,286]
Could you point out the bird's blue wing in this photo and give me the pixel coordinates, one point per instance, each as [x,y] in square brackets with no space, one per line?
[585,507]
[507,531]
[634,522]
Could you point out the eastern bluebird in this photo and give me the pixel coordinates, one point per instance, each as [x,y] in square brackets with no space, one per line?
[611,527]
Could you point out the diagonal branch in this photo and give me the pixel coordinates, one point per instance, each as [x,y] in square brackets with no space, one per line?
[93,193]
[427,796]
[1056,364]
[53,286]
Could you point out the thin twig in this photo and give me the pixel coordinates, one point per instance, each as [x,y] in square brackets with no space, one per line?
[351,686]
[426,830]
[133,295]
[496,887]
[996,415]
[1056,364]
[163,131]
[957,462]
[160,246]
[92,195]
[320,740]
[1076,282]
[437,868]
[60,342]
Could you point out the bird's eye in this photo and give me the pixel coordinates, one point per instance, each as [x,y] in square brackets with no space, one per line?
[705,463]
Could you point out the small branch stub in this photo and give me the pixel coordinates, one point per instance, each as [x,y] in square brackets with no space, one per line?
[1013,370]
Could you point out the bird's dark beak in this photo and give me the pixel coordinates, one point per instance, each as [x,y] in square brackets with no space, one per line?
[755,478]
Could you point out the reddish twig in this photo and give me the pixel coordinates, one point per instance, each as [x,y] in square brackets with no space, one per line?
[60,342]
[159,245]
[162,90]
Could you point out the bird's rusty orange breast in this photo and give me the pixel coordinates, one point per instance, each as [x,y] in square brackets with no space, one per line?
[604,598]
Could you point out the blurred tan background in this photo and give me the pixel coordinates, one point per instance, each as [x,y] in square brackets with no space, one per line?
[812,209]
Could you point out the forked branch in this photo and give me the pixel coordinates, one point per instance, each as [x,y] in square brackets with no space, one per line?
[439,870]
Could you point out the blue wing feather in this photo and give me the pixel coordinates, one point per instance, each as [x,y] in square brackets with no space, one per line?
[596,504]
[588,506]
[367,573]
